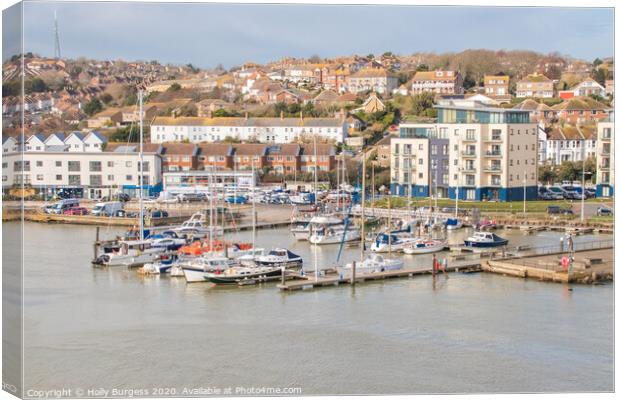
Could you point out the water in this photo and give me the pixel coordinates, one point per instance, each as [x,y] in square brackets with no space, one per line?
[90,328]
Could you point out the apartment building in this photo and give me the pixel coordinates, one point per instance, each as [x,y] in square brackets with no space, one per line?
[605,163]
[535,85]
[419,162]
[378,80]
[85,174]
[442,82]
[485,152]
[264,130]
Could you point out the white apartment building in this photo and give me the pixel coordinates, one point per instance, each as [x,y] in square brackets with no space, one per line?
[264,130]
[605,179]
[86,174]
[442,82]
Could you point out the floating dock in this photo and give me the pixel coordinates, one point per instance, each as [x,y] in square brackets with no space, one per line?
[310,282]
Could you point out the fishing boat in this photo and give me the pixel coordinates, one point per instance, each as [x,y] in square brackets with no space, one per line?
[234,275]
[279,257]
[393,241]
[373,263]
[425,246]
[485,239]
[194,270]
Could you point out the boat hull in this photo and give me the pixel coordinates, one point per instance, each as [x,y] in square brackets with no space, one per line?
[235,279]
[482,245]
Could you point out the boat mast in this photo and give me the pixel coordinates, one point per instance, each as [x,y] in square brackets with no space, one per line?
[458,180]
[363,206]
[316,178]
[253,210]
[141,170]
[390,225]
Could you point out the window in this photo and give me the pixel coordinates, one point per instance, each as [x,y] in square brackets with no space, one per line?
[94,166]
[5,165]
[420,161]
[40,177]
[95,180]
[74,166]
[110,177]
[128,164]
[128,178]
[421,146]
[39,163]
[74,180]
[434,149]
[421,175]
[111,164]
[59,177]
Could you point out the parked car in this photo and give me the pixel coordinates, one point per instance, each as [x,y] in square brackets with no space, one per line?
[106,209]
[122,197]
[159,214]
[555,210]
[76,211]
[189,197]
[604,211]
[61,206]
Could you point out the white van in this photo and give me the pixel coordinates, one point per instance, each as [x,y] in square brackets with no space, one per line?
[61,206]
[107,209]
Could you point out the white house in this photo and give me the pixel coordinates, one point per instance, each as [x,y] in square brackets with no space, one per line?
[94,141]
[35,142]
[9,144]
[75,141]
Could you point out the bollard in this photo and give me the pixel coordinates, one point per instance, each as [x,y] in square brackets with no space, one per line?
[353,273]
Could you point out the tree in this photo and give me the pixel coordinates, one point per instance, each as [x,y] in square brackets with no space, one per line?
[422,67]
[315,59]
[93,107]
[422,102]
[597,61]
[469,82]
[174,87]
[35,85]
[546,174]
[554,72]
[568,171]
[221,113]
[106,98]
[599,75]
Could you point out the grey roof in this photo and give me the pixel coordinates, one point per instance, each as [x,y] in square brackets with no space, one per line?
[78,134]
[125,149]
[56,148]
[100,136]
[39,136]
[59,135]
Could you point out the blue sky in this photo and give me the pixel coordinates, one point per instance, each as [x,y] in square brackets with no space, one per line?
[208,34]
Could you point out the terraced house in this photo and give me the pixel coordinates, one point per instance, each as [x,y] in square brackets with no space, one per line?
[566,142]
[378,80]
[442,82]
[264,130]
[481,152]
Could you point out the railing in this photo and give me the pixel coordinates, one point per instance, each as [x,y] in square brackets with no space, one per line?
[493,153]
[469,139]
[493,139]
[468,153]
[554,249]
[493,169]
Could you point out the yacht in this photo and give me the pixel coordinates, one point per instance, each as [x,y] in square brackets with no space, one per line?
[394,241]
[194,270]
[334,234]
[453,223]
[129,253]
[373,263]
[279,257]
[425,246]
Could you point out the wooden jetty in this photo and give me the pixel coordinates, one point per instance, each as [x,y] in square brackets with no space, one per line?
[310,282]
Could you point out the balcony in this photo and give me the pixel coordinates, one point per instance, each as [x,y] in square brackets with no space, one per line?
[493,168]
[493,153]
[469,139]
[468,169]
[605,152]
[468,153]
[495,139]
[604,167]
[495,183]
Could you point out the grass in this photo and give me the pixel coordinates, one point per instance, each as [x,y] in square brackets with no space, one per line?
[486,206]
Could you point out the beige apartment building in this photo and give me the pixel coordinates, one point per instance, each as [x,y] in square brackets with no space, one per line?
[605,162]
[535,85]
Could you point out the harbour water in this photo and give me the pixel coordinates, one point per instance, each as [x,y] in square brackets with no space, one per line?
[88,328]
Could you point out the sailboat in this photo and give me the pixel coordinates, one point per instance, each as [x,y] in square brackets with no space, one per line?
[455,223]
[374,262]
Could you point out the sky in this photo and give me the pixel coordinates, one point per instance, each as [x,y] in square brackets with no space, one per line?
[231,34]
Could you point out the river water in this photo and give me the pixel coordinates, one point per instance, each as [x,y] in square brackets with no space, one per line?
[88,328]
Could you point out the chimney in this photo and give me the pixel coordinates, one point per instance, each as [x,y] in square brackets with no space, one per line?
[282,115]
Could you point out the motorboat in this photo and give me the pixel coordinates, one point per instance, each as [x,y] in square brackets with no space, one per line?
[302,198]
[168,240]
[162,266]
[301,230]
[334,234]
[196,226]
[373,263]
[425,246]
[234,275]
[485,239]
[194,269]
[129,253]
[453,223]
[279,257]
[393,241]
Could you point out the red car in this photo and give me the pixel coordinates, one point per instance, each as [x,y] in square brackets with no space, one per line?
[76,211]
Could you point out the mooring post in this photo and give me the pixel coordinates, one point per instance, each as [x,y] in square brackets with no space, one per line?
[434,264]
[353,273]
[282,268]
[96,245]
